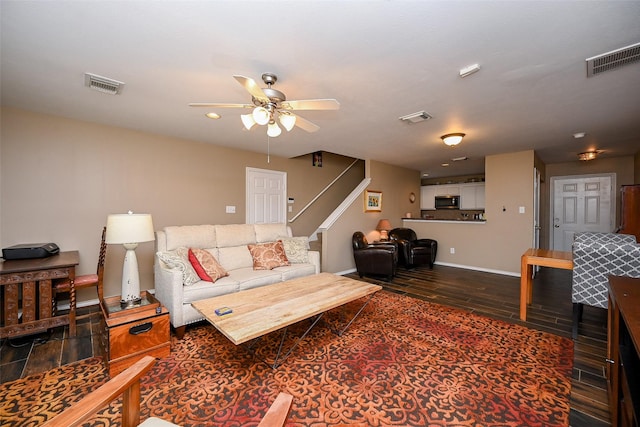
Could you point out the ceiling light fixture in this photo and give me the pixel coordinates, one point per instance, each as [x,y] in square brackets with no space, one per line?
[452,139]
[588,155]
[267,115]
[213,115]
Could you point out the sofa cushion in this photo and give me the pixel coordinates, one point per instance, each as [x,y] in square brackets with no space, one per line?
[235,257]
[269,232]
[190,236]
[296,249]
[234,235]
[267,256]
[203,290]
[250,278]
[179,259]
[206,265]
[295,270]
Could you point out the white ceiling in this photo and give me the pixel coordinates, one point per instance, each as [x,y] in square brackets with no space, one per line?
[379,59]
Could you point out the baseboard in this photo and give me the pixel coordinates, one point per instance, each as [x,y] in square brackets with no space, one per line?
[475,268]
[447,264]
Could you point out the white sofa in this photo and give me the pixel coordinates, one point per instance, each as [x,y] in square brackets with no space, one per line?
[228,244]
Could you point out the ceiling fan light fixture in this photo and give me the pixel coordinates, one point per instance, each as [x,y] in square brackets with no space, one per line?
[261,115]
[273,129]
[288,121]
[247,121]
[452,139]
[587,155]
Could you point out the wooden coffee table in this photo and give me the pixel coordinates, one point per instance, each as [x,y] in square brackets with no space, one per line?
[259,311]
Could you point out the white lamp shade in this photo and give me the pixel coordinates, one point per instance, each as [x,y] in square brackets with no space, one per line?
[247,121]
[129,228]
[288,121]
[273,130]
[261,115]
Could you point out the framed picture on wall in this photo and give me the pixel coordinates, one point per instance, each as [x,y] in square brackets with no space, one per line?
[372,201]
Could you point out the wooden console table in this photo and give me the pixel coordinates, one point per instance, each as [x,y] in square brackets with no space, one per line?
[623,369]
[543,258]
[26,300]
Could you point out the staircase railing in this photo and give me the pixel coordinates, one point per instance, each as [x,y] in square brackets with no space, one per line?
[324,190]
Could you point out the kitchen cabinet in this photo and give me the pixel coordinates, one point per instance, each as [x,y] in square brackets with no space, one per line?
[472,196]
[447,190]
[428,197]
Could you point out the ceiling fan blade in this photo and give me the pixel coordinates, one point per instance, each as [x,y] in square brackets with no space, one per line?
[305,124]
[252,87]
[312,104]
[219,105]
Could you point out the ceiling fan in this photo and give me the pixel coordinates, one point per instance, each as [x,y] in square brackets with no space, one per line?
[271,106]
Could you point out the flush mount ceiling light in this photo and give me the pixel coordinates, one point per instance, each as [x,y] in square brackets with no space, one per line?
[213,115]
[588,155]
[452,139]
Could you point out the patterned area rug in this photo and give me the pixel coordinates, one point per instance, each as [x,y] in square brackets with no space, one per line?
[402,362]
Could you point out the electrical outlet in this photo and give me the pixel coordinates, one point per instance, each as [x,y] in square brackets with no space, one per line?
[452,250]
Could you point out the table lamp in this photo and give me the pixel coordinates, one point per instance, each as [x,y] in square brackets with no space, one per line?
[128,230]
[383,227]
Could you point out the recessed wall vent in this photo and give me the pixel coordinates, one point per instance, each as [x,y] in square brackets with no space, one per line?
[612,60]
[103,84]
[420,116]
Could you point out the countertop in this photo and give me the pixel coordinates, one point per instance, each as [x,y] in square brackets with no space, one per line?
[451,221]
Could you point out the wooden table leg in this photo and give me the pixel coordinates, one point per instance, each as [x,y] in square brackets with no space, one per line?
[525,286]
[72,306]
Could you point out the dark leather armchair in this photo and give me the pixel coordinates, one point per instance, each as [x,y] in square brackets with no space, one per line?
[377,259]
[414,251]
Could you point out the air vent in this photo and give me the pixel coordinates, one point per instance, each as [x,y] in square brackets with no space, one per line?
[420,116]
[103,84]
[612,60]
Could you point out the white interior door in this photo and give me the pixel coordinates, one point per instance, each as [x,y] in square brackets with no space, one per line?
[266,196]
[581,203]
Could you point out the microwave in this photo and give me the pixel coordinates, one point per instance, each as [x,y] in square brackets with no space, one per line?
[447,202]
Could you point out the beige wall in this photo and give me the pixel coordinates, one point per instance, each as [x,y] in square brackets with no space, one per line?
[396,184]
[497,245]
[60,179]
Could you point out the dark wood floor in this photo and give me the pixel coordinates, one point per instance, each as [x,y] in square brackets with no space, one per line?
[487,294]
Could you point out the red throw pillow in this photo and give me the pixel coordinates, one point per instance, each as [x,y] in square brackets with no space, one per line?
[210,266]
[198,267]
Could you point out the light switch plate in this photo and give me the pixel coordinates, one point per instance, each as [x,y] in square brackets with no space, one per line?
[231,209]
[521,209]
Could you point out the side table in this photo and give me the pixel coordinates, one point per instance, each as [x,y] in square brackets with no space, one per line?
[129,334]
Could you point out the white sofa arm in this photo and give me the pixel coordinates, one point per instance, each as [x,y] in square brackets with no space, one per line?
[314,258]
[169,290]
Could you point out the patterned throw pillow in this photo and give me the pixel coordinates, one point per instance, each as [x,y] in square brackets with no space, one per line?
[206,265]
[296,249]
[267,256]
[179,259]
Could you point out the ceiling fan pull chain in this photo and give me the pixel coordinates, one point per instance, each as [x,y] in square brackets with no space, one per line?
[268,149]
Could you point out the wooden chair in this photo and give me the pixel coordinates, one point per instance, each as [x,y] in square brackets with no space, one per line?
[127,384]
[63,286]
